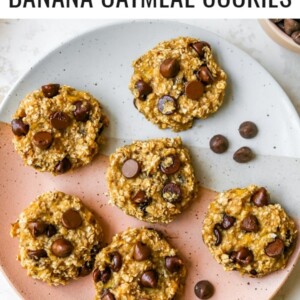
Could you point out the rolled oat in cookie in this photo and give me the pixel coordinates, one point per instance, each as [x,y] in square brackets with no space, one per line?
[58,238]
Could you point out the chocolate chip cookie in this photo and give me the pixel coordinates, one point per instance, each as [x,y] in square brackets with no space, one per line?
[138,264]
[152,180]
[177,81]
[58,128]
[58,238]
[247,233]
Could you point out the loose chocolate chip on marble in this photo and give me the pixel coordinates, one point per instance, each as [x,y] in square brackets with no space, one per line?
[275,248]
[250,224]
[131,168]
[19,128]
[144,89]
[173,263]
[218,144]
[37,228]
[205,75]
[260,197]
[37,254]
[218,234]
[63,166]
[71,219]
[199,47]
[194,89]
[42,139]
[149,279]
[141,251]
[107,295]
[171,192]
[227,221]
[243,155]
[244,256]
[248,130]
[82,111]
[62,247]
[51,230]
[170,164]
[290,26]
[86,268]
[116,261]
[50,90]
[60,120]
[296,37]
[167,105]
[204,289]
[169,68]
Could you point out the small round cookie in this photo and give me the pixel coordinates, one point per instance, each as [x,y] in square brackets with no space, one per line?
[138,264]
[58,238]
[245,232]
[58,128]
[152,180]
[177,81]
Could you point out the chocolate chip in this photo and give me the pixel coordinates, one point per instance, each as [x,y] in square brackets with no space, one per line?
[171,192]
[199,48]
[290,26]
[296,37]
[51,230]
[139,197]
[50,90]
[253,272]
[37,228]
[60,120]
[95,249]
[243,155]
[167,105]
[218,234]
[37,254]
[131,168]
[250,224]
[227,222]
[82,111]
[149,279]
[141,251]
[19,128]
[244,256]
[169,68]
[71,219]
[116,261]
[275,248]
[143,206]
[260,197]
[194,89]
[107,295]
[170,164]
[103,275]
[144,89]
[218,144]
[63,166]
[205,75]
[86,269]
[42,139]
[248,130]
[204,289]
[62,247]
[173,263]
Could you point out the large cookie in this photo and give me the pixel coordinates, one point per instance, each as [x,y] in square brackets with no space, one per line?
[138,264]
[177,81]
[57,128]
[245,232]
[58,238]
[152,180]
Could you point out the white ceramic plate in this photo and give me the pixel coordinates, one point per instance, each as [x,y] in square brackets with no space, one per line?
[100,62]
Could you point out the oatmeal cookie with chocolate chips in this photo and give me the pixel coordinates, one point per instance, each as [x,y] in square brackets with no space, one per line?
[152,180]
[177,81]
[58,128]
[58,238]
[245,232]
[138,264]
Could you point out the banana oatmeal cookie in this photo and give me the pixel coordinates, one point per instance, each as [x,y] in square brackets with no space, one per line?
[58,128]
[58,238]
[138,264]
[177,81]
[152,180]
[245,232]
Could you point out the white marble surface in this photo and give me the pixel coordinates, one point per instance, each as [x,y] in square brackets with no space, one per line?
[23,42]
